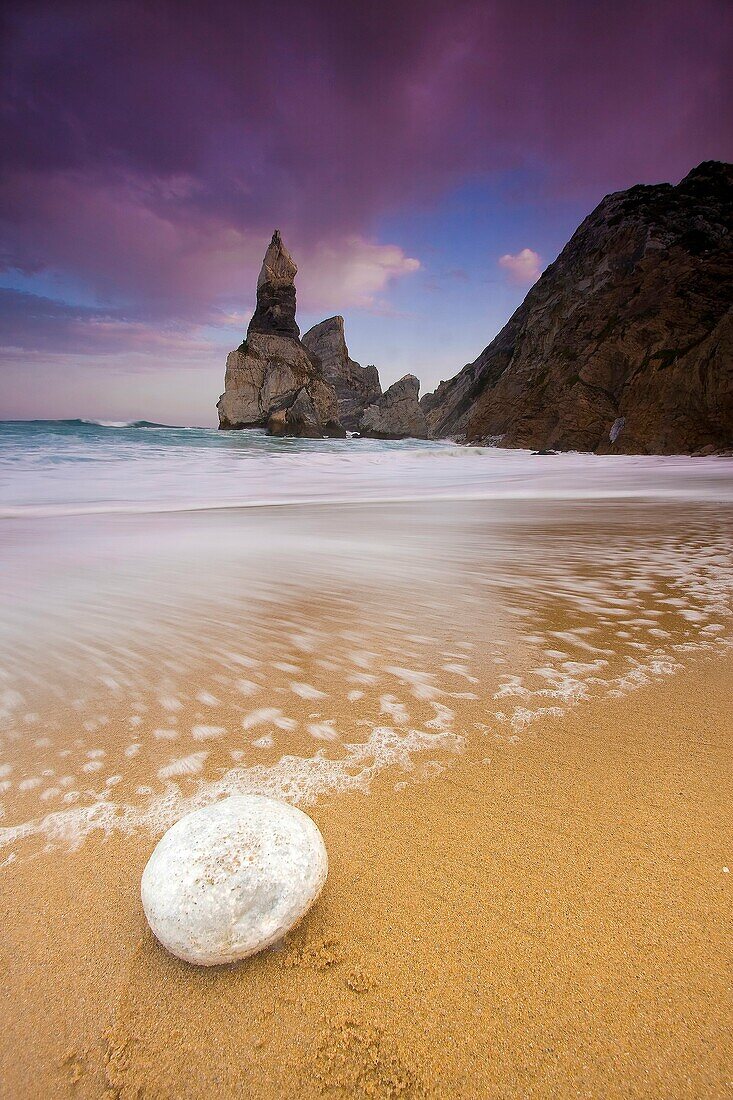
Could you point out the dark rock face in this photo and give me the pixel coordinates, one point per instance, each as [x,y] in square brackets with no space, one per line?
[625,344]
[356,386]
[270,380]
[397,413]
[275,312]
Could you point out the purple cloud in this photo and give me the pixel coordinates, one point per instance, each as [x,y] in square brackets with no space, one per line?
[30,323]
[187,121]
[149,150]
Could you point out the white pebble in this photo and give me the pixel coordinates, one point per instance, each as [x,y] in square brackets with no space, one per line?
[230,879]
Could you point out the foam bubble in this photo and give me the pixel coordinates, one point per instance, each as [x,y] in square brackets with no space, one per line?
[170,702]
[322,731]
[265,742]
[247,687]
[392,707]
[165,734]
[208,699]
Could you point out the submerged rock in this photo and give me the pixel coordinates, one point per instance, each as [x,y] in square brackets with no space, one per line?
[356,386]
[271,369]
[397,413]
[229,880]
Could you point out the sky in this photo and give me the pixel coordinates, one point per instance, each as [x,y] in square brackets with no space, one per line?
[424,161]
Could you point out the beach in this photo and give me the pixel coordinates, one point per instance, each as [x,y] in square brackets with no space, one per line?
[501,686]
[550,918]
[366,551]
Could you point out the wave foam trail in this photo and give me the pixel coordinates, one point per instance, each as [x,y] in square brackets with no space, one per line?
[152,663]
[80,466]
[299,780]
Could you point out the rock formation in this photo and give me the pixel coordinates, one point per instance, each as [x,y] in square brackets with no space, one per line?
[270,380]
[275,312]
[625,344]
[397,413]
[313,414]
[356,386]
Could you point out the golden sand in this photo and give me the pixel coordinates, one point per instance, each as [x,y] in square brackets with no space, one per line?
[543,919]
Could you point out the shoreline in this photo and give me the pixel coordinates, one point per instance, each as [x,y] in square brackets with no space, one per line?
[533,920]
[129,477]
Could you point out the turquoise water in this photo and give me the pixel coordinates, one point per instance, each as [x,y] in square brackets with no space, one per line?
[68,466]
[95,464]
[75,436]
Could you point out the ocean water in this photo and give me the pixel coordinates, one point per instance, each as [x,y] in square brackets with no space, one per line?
[188,613]
[76,466]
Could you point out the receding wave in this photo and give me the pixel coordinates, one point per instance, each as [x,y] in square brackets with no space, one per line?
[151,665]
[76,467]
[242,636]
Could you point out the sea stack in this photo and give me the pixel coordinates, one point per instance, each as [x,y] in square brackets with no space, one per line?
[271,381]
[356,387]
[397,413]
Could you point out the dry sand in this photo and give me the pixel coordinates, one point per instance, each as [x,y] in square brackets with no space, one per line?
[543,919]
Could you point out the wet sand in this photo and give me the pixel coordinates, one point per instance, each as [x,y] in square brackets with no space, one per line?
[546,917]
[510,720]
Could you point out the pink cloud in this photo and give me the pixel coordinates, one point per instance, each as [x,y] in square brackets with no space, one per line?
[329,118]
[34,328]
[351,273]
[126,241]
[523,268]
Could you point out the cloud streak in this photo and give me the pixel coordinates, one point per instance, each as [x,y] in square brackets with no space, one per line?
[31,323]
[129,246]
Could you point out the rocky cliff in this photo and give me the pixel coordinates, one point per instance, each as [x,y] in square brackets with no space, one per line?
[625,344]
[356,386]
[270,380]
[396,414]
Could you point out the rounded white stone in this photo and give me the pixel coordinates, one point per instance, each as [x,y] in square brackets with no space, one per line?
[233,878]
